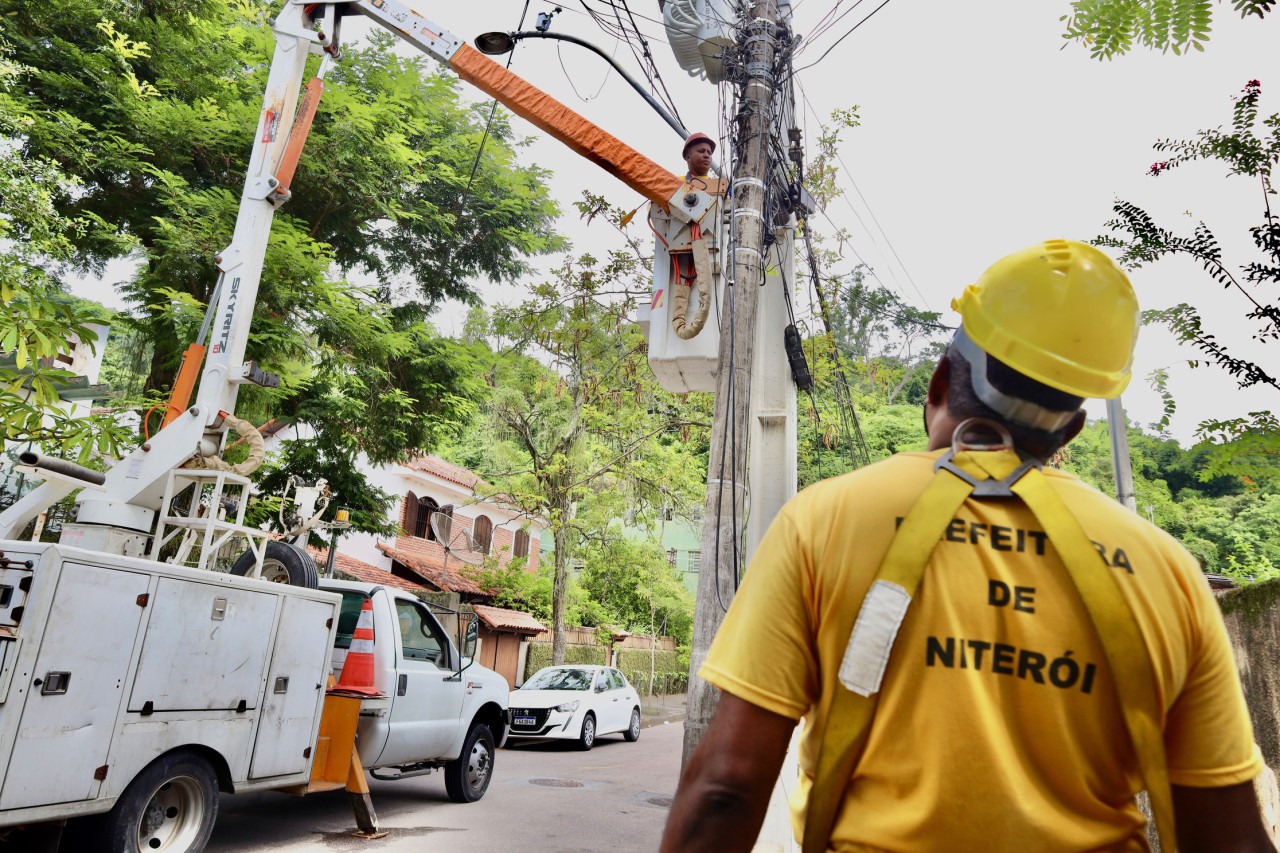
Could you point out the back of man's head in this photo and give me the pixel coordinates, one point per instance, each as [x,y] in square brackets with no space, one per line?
[963,402]
[1043,329]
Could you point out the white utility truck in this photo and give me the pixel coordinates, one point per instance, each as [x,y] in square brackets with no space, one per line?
[135,681]
[137,691]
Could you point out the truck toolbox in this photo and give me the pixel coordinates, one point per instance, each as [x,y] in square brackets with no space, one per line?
[111,662]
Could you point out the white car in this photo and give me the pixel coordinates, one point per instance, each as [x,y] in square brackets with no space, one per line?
[575,702]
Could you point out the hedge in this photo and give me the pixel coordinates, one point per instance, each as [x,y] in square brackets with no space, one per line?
[637,660]
[668,675]
[540,656]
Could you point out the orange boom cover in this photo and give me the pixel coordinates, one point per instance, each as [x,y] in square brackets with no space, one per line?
[605,150]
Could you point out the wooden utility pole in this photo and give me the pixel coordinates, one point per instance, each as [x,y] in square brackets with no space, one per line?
[722,548]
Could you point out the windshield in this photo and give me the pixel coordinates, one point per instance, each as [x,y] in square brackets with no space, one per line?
[559,679]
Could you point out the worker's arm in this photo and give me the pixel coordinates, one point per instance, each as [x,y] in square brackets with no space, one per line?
[725,788]
[1219,820]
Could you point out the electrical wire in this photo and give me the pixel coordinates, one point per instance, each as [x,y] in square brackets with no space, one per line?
[827,22]
[842,38]
[657,76]
[475,165]
[619,30]
[870,212]
[603,80]
[848,423]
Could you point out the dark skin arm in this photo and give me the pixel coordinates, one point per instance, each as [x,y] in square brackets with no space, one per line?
[1219,820]
[725,788]
[724,792]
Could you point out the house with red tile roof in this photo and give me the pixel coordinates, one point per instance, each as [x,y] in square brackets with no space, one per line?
[425,486]
[480,526]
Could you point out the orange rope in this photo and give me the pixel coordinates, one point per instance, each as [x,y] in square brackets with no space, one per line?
[146,430]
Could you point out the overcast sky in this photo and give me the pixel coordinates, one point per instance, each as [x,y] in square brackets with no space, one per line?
[981,134]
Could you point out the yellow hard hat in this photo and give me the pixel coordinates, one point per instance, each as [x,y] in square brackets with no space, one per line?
[1060,312]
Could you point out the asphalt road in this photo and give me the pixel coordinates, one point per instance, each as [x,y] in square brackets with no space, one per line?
[544,797]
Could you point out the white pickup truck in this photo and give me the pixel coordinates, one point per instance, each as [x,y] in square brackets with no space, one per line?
[136,691]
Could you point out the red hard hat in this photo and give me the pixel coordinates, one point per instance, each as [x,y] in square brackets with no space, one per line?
[697,137]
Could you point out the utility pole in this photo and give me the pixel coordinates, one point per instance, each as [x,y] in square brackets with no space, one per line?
[1121,461]
[722,545]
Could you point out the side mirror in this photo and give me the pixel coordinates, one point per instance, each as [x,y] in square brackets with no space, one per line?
[469,640]
[600,688]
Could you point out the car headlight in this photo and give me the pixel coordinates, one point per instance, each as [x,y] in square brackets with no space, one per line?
[568,707]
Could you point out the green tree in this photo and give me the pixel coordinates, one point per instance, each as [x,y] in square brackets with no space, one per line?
[36,317]
[1228,522]
[147,112]
[150,109]
[638,589]
[873,350]
[1111,28]
[576,419]
[1250,149]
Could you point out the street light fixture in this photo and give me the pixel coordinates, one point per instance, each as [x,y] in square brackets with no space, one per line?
[498,43]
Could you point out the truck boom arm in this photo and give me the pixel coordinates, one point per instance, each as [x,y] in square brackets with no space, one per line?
[302,28]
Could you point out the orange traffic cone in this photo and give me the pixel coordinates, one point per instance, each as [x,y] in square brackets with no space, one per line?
[357,670]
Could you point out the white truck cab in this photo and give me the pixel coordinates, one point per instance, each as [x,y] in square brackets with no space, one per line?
[442,709]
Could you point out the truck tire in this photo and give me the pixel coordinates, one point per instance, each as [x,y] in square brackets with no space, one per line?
[467,777]
[587,738]
[169,807]
[283,562]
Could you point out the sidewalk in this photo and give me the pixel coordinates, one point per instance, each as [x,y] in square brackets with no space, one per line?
[658,710]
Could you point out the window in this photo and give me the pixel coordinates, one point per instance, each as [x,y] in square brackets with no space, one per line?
[522,544]
[694,562]
[482,530]
[422,529]
[420,637]
[619,683]
[409,521]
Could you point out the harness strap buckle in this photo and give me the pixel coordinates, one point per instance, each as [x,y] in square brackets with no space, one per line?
[997,438]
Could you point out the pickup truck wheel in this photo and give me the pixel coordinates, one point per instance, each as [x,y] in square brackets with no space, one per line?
[632,733]
[466,778]
[169,807]
[587,739]
[283,562]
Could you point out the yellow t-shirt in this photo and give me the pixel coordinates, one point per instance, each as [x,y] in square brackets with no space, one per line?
[998,726]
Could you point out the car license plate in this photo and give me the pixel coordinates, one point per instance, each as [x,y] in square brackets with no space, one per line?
[526,721]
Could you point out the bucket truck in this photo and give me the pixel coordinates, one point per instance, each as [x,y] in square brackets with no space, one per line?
[136,683]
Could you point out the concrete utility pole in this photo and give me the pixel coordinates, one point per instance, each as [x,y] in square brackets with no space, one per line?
[722,548]
[1121,460]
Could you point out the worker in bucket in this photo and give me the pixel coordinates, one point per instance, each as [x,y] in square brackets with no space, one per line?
[988,654]
[697,152]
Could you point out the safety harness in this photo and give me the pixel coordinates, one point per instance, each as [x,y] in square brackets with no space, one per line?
[982,471]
